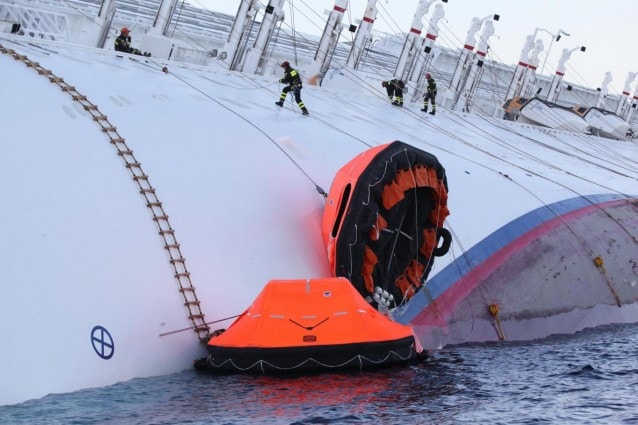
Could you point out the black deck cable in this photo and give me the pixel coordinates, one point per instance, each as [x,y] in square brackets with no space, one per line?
[256,127]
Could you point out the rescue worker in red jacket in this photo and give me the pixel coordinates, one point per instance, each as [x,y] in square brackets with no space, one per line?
[292,79]
[394,88]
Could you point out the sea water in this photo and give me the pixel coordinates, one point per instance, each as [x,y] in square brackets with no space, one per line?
[587,378]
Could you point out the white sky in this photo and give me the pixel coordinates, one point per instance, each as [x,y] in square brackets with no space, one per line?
[604,28]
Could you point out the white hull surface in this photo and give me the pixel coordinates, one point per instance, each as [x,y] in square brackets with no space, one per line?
[539,112]
[237,176]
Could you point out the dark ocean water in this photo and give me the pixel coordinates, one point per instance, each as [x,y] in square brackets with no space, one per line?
[587,378]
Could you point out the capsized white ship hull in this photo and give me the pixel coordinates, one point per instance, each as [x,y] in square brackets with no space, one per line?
[237,176]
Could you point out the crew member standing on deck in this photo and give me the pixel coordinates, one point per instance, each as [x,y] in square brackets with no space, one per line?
[293,83]
[430,94]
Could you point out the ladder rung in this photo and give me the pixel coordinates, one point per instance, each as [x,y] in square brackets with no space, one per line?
[192,303]
[79,97]
[167,232]
[142,177]
[20,57]
[44,71]
[56,79]
[107,129]
[68,88]
[117,140]
[125,152]
[176,260]
[100,118]
[147,190]
[133,164]
[187,289]
[182,274]
[160,217]
[171,246]
[32,64]
[90,107]
[153,204]
[196,316]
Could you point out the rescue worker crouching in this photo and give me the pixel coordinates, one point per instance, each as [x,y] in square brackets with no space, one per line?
[394,88]
[292,80]
[123,43]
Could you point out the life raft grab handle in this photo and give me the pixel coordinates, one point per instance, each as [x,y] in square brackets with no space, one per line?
[442,233]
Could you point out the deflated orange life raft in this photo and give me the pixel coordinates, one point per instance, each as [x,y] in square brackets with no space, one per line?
[383,221]
[309,325]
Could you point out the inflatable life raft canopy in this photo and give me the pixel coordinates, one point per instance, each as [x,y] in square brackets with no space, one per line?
[309,325]
[383,221]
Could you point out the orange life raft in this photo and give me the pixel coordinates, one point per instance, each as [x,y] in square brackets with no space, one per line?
[309,325]
[383,221]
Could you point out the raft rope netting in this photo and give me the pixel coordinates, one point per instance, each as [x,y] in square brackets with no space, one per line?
[165,230]
[597,259]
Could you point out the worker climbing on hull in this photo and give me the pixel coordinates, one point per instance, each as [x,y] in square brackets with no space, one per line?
[293,84]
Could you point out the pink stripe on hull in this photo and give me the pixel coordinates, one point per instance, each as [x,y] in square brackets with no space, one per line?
[436,313]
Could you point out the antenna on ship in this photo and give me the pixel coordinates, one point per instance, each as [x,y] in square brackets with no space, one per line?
[363,36]
[328,42]
[554,88]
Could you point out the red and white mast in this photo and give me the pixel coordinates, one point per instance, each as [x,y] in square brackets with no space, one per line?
[476,68]
[632,108]
[529,87]
[466,53]
[604,89]
[518,80]
[620,110]
[423,60]
[363,35]
[413,40]
[328,40]
[554,88]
